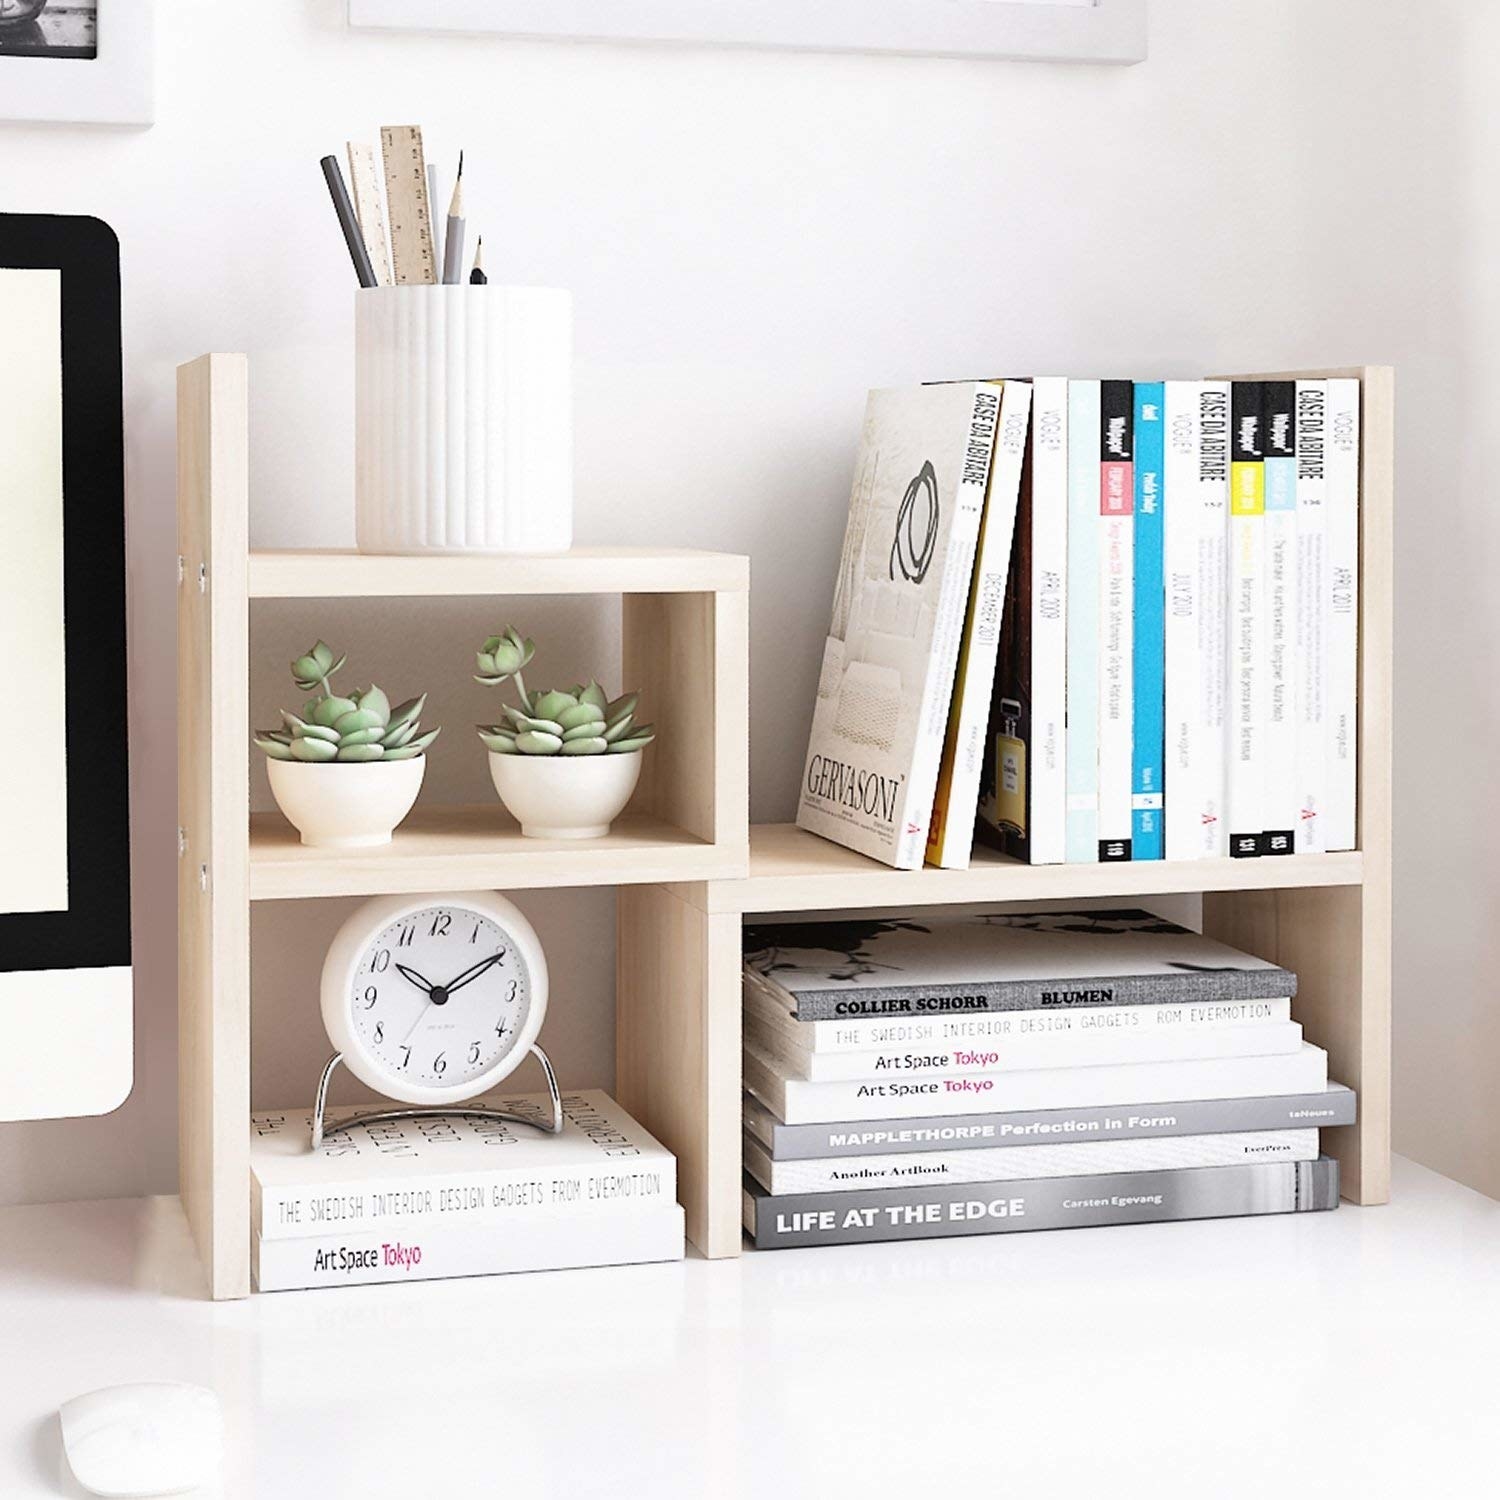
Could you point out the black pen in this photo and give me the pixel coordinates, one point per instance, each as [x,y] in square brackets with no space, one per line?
[355,240]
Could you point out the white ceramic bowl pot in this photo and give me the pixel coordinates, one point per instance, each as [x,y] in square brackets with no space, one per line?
[344,805]
[565,796]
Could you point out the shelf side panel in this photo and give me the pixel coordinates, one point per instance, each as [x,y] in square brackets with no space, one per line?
[687,655]
[213,974]
[677,1050]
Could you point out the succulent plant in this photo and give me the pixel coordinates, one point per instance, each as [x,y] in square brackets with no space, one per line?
[360,727]
[581,721]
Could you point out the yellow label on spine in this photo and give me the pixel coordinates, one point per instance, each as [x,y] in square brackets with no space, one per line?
[1247,489]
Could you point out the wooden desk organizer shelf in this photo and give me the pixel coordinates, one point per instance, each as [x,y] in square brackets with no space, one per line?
[679,858]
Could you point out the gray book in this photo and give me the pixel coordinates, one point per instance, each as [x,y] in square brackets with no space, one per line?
[902,966]
[941,1210]
[1333,1105]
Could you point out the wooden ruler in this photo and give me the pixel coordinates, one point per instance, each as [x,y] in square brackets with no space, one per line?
[406,203]
[369,205]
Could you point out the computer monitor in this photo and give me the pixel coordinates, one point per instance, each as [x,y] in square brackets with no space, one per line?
[66,996]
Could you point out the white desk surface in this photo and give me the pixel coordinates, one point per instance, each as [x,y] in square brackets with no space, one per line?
[1323,1355]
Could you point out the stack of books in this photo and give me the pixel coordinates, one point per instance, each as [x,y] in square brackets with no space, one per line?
[976,1074]
[417,1199]
[1094,620]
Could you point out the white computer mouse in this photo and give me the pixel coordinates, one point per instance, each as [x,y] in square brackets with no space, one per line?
[155,1438]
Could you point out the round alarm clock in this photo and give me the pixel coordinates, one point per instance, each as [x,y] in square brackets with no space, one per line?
[433,999]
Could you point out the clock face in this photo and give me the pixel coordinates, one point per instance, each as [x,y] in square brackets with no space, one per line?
[434,998]
[441,996]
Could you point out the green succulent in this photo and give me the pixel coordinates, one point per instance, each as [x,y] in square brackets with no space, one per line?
[581,721]
[361,727]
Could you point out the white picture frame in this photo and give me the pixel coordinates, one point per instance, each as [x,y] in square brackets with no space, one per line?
[118,87]
[1101,31]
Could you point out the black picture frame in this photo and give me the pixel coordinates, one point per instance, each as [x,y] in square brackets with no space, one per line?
[94,931]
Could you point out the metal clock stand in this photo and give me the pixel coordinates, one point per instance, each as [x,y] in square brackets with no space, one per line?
[439,1111]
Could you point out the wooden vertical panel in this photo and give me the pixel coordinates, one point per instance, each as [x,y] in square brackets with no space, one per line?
[689,655]
[213,971]
[677,1049]
[732,722]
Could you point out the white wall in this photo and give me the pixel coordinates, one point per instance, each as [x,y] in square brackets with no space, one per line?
[753,240]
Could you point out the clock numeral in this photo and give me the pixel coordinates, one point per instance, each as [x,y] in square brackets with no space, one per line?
[501,1028]
[440,1065]
[474,936]
[510,994]
[406,936]
[440,924]
[379,1032]
[405,1056]
[371,996]
[381,962]
[473,1052]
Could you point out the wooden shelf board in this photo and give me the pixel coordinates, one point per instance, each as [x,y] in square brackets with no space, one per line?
[585,570]
[791,870]
[479,848]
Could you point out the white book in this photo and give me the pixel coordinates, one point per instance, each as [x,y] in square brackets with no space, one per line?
[1311,663]
[833,1174]
[797,1102]
[950,839]
[558,1242]
[899,604]
[1182,718]
[1038,1050]
[1047,758]
[1280,809]
[1211,501]
[1246,783]
[870,1034]
[1082,686]
[1116,586]
[411,1174]
[1342,626]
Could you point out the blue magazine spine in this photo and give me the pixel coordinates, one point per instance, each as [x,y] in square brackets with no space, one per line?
[1147,801]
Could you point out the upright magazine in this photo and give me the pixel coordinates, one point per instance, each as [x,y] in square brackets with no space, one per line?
[1023,780]
[950,834]
[899,607]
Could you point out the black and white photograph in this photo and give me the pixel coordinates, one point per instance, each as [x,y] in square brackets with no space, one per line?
[50,28]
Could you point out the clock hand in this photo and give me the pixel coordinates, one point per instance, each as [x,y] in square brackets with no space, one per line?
[415,978]
[470,975]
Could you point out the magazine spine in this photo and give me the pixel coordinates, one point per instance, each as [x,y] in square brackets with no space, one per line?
[1183,988]
[1212,507]
[1325,1108]
[1047,811]
[1342,711]
[1182,729]
[797,1102]
[1247,615]
[372,1204]
[1311,616]
[938,1210]
[428,1253]
[768,1008]
[1147,801]
[1116,614]
[1019,1054]
[1083,623]
[1281,614]
[839,1174]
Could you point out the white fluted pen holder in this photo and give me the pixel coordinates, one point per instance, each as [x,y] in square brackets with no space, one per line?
[463,417]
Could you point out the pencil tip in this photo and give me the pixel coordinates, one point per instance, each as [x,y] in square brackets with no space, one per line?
[460,164]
